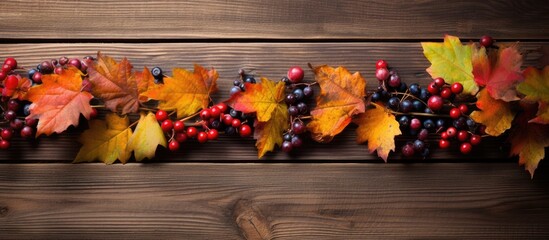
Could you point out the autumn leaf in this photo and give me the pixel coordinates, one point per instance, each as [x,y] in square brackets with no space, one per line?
[186,92]
[106,141]
[451,60]
[497,115]
[117,85]
[58,102]
[529,140]
[266,100]
[146,137]
[536,89]
[341,97]
[379,128]
[500,73]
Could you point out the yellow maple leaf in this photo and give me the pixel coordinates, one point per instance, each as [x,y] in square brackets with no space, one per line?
[106,141]
[536,89]
[341,97]
[266,99]
[146,137]
[497,115]
[451,60]
[186,92]
[379,128]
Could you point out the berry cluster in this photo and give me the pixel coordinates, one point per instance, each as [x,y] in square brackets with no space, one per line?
[297,107]
[239,84]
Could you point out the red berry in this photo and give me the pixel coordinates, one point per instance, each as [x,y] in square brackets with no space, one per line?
[202,137]
[13,105]
[443,143]
[58,70]
[486,41]
[161,115]
[6,68]
[482,129]
[31,122]
[75,62]
[6,134]
[295,74]
[192,132]
[435,103]
[382,74]
[4,144]
[439,82]
[415,124]
[465,148]
[451,131]
[17,124]
[215,112]
[180,137]
[446,93]
[475,139]
[381,64]
[167,125]
[222,106]
[173,145]
[37,77]
[245,130]
[205,114]
[3,75]
[433,89]
[26,132]
[11,82]
[227,119]
[463,109]
[179,126]
[93,113]
[444,135]
[11,62]
[213,134]
[10,115]
[463,136]
[236,123]
[456,88]
[455,113]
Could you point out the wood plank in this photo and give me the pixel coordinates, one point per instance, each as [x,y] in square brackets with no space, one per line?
[268,201]
[267,59]
[264,19]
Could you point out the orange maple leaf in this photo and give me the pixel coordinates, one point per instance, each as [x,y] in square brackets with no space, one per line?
[186,92]
[266,99]
[20,92]
[379,128]
[500,72]
[59,101]
[497,115]
[529,139]
[117,85]
[341,97]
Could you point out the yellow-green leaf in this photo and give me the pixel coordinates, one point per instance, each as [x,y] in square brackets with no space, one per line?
[146,137]
[536,89]
[451,60]
[106,141]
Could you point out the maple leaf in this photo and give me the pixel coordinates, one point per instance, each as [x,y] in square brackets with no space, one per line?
[186,92]
[497,115]
[499,73]
[379,128]
[529,140]
[117,85]
[146,137]
[536,89]
[59,101]
[341,97]
[106,141]
[451,60]
[266,99]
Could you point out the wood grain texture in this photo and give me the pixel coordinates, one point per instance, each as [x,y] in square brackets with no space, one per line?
[272,201]
[264,19]
[265,59]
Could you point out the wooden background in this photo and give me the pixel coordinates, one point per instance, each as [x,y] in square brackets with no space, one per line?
[220,190]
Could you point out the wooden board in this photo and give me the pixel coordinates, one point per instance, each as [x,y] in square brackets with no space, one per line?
[265,19]
[272,201]
[266,59]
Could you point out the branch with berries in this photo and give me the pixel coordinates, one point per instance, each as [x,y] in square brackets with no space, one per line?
[478,90]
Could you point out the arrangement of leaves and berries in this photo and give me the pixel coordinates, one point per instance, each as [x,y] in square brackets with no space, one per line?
[477,90]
